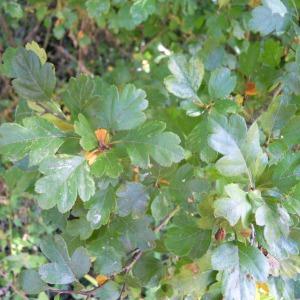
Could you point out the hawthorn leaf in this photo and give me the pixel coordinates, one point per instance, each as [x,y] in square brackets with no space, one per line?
[37,137]
[132,198]
[79,227]
[186,76]
[234,207]
[277,115]
[271,17]
[241,265]
[241,149]
[88,139]
[286,173]
[81,96]
[101,205]
[31,282]
[110,290]
[107,164]
[150,140]
[281,288]
[221,83]
[141,9]
[62,269]
[64,178]
[40,52]
[185,238]
[109,252]
[197,141]
[292,203]
[148,270]
[122,110]
[6,67]
[135,233]
[33,80]
[96,8]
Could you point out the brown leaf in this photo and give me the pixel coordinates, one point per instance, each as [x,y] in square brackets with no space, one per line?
[250,89]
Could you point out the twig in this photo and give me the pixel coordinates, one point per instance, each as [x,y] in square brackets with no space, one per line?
[137,254]
[165,221]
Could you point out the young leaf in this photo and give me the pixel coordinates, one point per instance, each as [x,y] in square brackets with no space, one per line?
[33,80]
[65,177]
[62,269]
[234,207]
[132,198]
[241,266]
[150,140]
[88,139]
[221,83]
[38,138]
[31,282]
[186,76]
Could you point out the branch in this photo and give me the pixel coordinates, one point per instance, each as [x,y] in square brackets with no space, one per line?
[137,254]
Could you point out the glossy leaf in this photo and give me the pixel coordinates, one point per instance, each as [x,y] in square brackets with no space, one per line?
[64,178]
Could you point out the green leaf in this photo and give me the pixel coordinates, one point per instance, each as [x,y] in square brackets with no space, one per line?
[186,76]
[81,96]
[65,178]
[277,115]
[272,53]
[33,80]
[234,207]
[141,9]
[276,222]
[79,227]
[271,17]
[148,270]
[31,282]
[6,68]
[150,140]
[241,149]
[185,238]
[241,265]
[197,141]
[96,8]
[101,205]
[109,253]
[122,110]
[110,290]
[62,269]
[135,233]
[107,164]
[88,139]
[38,138]
[221,83]
[132,198]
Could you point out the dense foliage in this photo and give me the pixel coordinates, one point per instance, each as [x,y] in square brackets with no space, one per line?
[150,149]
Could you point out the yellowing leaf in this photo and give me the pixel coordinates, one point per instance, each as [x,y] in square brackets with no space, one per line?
[101,279]
[103,137]
[40,52]
[91,156]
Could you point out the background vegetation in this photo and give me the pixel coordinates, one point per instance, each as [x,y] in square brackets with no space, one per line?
[160,160]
